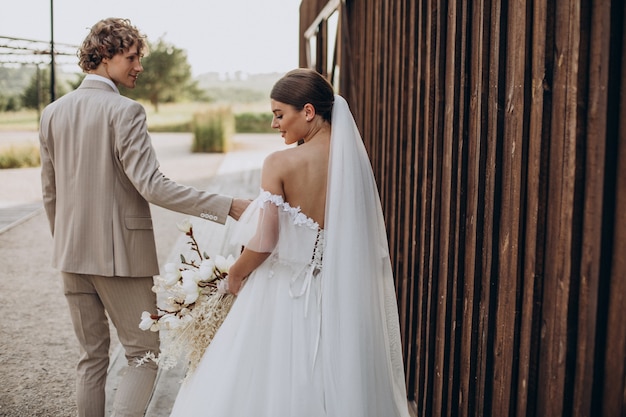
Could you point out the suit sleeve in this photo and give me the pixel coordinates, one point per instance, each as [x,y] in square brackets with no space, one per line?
[139,163]
[48,176]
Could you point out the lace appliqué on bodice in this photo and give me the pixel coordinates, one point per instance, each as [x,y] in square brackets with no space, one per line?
[299,218]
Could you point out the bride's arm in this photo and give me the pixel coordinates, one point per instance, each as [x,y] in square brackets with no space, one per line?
[265,239]
[245,264]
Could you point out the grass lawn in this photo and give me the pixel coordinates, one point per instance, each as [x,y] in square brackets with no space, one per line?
[22,120]
[169,114]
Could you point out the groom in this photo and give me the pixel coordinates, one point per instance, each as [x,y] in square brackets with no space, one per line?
[99,174]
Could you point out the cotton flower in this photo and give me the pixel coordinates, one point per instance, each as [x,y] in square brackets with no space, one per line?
[191,297]
[170,322]
[169,303]
[172,273]
[190,276]
[148,323]
[185,226]
[206,270]
[224,264]
[190,286]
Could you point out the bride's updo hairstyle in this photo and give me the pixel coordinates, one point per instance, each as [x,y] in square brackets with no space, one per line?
[301,86]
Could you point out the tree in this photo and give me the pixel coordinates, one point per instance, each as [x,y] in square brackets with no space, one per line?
[37,94]
[166,77]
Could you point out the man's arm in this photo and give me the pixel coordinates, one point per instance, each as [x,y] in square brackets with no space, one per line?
[48,182]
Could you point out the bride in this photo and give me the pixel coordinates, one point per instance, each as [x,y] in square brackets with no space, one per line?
[314,330]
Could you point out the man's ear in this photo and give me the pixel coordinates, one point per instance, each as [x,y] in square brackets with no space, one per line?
[103,53]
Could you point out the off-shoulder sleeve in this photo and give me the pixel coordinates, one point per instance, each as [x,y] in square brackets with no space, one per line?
[258,227]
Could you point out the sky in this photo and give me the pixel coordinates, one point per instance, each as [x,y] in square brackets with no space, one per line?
[252,36]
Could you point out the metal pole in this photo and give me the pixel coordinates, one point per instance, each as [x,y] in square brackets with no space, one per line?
[39,100]
[52,75]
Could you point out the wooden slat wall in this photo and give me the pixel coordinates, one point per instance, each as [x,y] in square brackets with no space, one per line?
[497,133]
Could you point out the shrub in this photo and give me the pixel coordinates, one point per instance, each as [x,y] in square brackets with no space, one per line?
[212,130]
[20,157]
[253,123]
[172,128]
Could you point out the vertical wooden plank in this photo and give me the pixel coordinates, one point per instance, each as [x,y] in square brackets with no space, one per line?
[595,155]
[405,145]
[614,384]
[396,148]
[412,243]
[459,170]
[489,173]
[444,226]
[428,209]
[438,220]
[369,38]
[561,193]
[536,184]
[386,177]
[403,151]
[423,399]
[509,247]
[385,155]
[478,58]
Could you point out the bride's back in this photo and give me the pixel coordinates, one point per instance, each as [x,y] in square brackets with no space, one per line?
[303,173]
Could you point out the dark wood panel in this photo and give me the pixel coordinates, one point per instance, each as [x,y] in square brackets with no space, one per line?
[613,264]
[496,133]
[598,25]
[535,216]
[506,338]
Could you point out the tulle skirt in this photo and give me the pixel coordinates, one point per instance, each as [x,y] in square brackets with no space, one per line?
[264,360]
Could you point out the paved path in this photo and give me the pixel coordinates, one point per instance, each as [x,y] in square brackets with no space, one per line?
[235,173]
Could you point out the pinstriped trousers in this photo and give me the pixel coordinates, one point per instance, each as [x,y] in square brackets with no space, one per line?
[91,298]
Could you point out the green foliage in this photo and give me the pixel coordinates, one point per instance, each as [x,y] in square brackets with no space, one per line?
[238,87]
[172,117]
[13,103]
[10,103]
[253,123]
[13,79]
[231,94]
[172,127]
[20,157]
[212,130]
[166,77]
[37,93]
[74,84]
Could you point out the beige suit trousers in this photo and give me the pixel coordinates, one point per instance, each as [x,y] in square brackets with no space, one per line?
[91,298]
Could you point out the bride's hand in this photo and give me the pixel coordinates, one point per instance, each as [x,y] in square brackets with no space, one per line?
[234,284]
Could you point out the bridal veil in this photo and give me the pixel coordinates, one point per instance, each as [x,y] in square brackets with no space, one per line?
[360,334]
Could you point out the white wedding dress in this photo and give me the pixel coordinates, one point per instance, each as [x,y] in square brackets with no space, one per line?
[314,330]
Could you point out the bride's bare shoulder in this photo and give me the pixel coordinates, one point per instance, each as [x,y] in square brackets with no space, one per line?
[283,158]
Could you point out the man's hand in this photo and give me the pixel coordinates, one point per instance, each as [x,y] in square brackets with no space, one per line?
[237,207]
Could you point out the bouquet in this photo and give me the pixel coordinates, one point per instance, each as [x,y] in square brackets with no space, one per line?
[192,303]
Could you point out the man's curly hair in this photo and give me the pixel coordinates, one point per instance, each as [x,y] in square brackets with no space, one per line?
[108,38]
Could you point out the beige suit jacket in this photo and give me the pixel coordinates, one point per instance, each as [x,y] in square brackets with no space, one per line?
[99,173]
